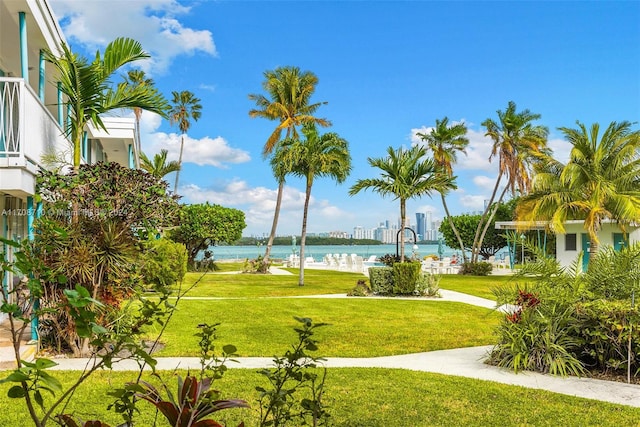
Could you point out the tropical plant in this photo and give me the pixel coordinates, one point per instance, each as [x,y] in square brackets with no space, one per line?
[89,91]
[316,156]
[115,207]
[192,404]
[405,174]
[518,144]
[159,167]
[289,102]
[203,225]
[164,262]
[138,78]
[292,373]
[185,107]
[445,141]
[600,182]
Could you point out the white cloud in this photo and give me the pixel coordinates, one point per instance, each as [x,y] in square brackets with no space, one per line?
[472,202]
[478,152]
[484,182]
[204,151]
[258,203]
[415,139]
[561,149]
[153,23]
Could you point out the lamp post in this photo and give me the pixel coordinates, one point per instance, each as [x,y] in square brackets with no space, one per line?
[415,239]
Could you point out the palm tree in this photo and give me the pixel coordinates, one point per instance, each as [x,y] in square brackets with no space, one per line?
[406,174]
[158,167]
[601,181]
[185,107]
[137,78]
[89,91]
[445,141]
[289,91]
[317,156]
[518,144]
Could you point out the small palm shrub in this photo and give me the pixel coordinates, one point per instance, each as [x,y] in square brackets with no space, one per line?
[389,259]
[428,285]
[476,268]
[361,290]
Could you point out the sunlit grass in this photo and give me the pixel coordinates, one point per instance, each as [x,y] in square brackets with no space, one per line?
[360,327]
[316,282]
[359,397]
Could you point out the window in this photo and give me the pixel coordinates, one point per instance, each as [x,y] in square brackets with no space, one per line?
[570,242]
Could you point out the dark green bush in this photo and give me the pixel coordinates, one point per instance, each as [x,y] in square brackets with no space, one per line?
[361,290]
[164,262]
[476,268]
[405,277]
[605,327]
[381,279]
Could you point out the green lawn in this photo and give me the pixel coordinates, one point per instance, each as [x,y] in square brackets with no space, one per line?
[360,327]
[317,282]
[360,397]
[480,286]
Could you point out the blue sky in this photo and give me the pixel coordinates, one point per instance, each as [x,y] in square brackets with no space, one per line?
[386,69]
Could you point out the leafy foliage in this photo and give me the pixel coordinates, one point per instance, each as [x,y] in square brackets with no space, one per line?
[405,277]
[381,279]
[565,321]
[476,268]
[164,262]
[294,372]
[203,225]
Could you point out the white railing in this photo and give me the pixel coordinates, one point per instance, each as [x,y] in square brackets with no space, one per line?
[27,129]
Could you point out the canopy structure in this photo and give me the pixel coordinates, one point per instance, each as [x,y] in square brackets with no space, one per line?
[512,228]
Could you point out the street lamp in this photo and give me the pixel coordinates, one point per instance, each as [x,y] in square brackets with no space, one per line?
[415,239]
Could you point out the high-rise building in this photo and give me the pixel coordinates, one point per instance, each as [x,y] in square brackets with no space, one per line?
[421,226]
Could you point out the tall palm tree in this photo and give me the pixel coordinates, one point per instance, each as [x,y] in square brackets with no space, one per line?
[159,167]
[289,93]
[601,181]
[137,78]
[518,144]
[185,107]
[89,91]
[445,141]
[406,174]
[316,156]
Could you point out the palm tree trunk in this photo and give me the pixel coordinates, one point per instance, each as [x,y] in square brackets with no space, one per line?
[175,186]
[138,112]
[403,214]
[274,225]
[453,227]
[475,248]
[491,216]
[303,235]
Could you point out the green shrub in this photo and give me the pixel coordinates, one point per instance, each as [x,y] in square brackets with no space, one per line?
[428,285]
[605,328]
[361,290]
[256,265]
[381,279]
[539,338]
[614,274]
[476,268]
[164,262]
[405,277]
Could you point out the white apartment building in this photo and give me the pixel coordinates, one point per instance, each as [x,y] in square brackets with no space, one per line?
[33,115]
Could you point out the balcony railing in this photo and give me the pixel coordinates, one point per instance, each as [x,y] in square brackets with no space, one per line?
[27,129]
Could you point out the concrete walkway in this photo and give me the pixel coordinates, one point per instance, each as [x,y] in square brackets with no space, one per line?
[463,362]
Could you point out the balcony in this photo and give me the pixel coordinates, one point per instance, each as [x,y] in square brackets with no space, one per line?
[28,132]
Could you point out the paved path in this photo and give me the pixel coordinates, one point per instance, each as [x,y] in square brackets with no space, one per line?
[464,362]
